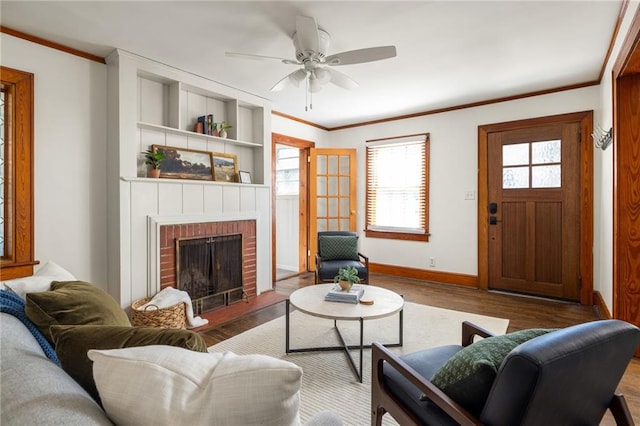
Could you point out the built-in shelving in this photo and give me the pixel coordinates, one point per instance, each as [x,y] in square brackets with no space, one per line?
[168,105]
[157,127]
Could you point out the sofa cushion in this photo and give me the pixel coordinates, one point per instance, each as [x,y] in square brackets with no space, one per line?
[73,303]
[164,385]
[40,281]
[338,247]
[35,391]
[468,375]
[72,343]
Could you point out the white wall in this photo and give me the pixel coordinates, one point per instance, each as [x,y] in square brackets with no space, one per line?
[70,149]
[288,127]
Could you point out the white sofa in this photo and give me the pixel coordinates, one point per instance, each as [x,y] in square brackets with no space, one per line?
[137,383]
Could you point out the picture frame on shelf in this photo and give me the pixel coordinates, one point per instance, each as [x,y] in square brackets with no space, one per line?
[184,163]
[225,167]
[244,177]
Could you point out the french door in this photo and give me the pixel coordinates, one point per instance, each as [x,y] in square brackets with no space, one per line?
[332,194]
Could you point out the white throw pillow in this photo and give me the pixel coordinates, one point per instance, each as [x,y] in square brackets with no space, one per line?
[166,385]
[40,281]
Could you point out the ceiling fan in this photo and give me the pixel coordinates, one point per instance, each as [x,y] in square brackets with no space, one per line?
[311,43]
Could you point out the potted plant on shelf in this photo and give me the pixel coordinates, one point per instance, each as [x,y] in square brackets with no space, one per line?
[153,160]
[221,128]
[347,277]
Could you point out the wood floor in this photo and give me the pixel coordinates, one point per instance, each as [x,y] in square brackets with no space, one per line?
[522,312]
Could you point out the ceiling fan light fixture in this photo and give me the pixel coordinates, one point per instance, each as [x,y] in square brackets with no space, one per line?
[298,77]
[315,85]
[322,75]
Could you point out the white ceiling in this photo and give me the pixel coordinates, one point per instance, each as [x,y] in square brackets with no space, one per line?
[448,52]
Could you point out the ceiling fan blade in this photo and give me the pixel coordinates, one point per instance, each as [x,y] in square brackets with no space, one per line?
[359,56]
[260,57]
[290,79]
[307,33]
[342,80]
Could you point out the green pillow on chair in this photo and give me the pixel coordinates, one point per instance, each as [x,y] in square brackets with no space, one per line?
[338,247]
[467,376]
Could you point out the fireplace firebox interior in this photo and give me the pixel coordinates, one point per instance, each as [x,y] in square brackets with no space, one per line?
[209,269]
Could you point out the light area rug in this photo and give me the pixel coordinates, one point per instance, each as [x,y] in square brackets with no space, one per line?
[328,381]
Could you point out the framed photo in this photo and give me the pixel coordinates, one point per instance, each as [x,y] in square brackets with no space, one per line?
[183,163]
[225,167]
[244,177]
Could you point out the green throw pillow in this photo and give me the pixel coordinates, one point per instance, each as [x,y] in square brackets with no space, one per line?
[72,342]
[338,247]
[468,375]
[73,303]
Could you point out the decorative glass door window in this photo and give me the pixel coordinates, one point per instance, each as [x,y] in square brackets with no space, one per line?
[532,165]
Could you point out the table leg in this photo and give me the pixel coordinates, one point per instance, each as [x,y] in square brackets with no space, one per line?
[287,307]
[344,346]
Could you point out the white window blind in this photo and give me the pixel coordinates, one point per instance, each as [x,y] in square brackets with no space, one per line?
[397,185]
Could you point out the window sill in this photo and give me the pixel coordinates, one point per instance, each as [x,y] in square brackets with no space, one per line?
[397,235]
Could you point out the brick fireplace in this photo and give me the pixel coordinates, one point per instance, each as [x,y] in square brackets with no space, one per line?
[169,234]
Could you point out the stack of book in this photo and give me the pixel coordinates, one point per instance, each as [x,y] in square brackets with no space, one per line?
[336,294]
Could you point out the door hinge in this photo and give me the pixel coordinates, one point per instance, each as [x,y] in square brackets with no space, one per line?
[308,159]
[309,253]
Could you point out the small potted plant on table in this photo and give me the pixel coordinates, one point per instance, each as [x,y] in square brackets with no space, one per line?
[153,160]
[347,277]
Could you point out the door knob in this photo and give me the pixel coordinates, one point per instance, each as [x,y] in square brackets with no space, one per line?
[493,208]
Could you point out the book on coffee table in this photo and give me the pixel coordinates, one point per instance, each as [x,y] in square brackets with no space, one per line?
[336,294]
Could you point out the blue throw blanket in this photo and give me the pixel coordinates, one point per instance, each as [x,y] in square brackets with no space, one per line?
[13,304]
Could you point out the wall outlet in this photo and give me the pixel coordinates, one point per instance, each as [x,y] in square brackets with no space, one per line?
[470,195]
[432,262]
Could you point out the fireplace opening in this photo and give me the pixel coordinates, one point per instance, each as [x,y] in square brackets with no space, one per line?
[209,269]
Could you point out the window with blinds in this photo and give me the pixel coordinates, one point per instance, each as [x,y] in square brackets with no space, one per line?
[397,188]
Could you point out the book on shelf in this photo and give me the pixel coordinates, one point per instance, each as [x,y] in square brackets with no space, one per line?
[209,125]
[353,295]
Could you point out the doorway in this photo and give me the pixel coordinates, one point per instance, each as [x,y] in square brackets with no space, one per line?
[626,199]
[535,228]
[290,205]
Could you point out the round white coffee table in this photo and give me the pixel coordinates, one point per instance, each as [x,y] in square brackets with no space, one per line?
[310,300]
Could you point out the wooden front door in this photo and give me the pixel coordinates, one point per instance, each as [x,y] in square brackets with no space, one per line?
[534,210]
[332,194]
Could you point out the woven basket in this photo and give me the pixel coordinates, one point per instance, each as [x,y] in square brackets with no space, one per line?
[170,317]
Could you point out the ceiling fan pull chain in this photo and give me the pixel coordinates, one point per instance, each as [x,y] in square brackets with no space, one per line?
[306,94]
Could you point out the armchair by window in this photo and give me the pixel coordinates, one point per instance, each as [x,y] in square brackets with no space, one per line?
[339,249]
[562,377]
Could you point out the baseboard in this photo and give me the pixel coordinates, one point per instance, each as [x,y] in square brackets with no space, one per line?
[599,302]
[422,274]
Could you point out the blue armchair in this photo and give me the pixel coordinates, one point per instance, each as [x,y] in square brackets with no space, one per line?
[339,249]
